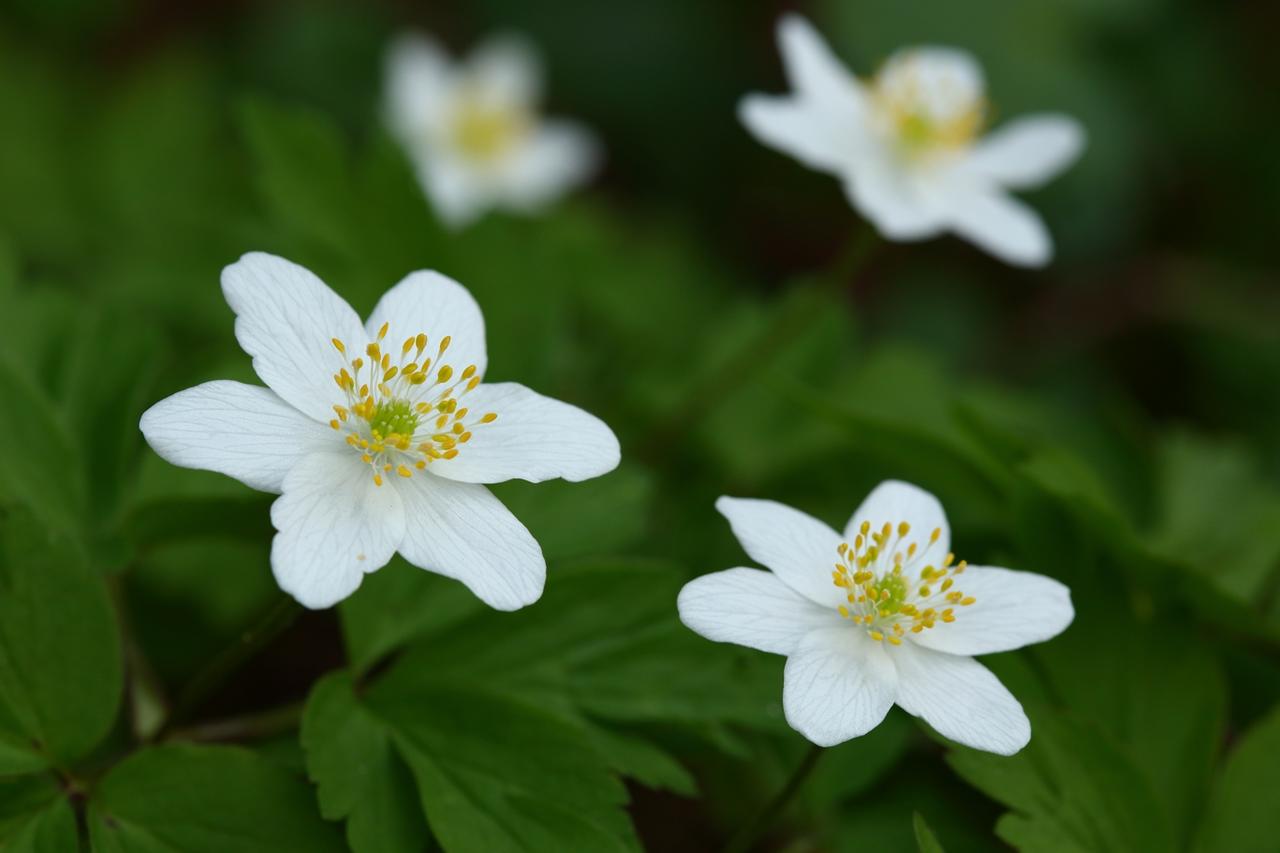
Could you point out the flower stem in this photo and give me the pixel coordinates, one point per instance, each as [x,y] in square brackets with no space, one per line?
[762,349]
[255,726]
[252,641]
[751,833]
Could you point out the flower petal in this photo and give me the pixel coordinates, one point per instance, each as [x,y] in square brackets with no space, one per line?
[795,128]
[418,80]
[1003,226]
[752,608]
[462,531]
[894,501]
[535,438]
[960,698]
[888,197]
[1027,152]
[797,547]
[558,155]
[436,305]
[458,193]
[334,525]
[506,70]
[814,72]
[837,686]
[1013,609]
[286,319]
[243,431]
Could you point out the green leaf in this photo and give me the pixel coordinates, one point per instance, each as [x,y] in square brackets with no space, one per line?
[926,841]
[492,773]
[60,662]
[49,482]
[495,774]
[1240,816]
[1071,789]
[36,817]
[201,799]
[360,777]
[1219,517]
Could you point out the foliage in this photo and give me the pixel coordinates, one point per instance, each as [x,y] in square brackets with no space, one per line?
[1112,422]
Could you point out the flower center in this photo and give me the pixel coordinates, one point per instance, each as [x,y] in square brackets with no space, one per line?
[891,586]
[403,414]
[928,104]
[483,130]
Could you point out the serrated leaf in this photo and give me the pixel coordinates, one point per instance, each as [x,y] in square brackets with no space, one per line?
[205,799]
[360,777]
[60,663]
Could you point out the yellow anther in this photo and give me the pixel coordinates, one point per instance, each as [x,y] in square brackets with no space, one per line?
[935,535]
[903,528]
[390,374]
[420,342]
[844,611]
[449,454]
[374,352]
[334,423]
[866,527]
[420,464]
[458,429]
[444,343]
[843,546]
[339,345]
[925,592]
[469,372]
[377,479]
[464,438]
[445,373]
[382,333]
[388,467]
[366,459]
[895,641]
[946,584]
[967,600]
[408,345]
[876,635]
[472,383]
[417,378]
[403,471]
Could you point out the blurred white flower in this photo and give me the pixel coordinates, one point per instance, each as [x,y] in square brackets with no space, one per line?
[895,622]
[907,144]
[377,435]
[472,129]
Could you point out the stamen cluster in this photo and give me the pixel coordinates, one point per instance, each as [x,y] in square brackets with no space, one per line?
[400,416]
[883,596]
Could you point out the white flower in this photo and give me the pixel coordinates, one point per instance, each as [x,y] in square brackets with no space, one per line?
[907,147]
[895,622]
[472,130]
[377,435]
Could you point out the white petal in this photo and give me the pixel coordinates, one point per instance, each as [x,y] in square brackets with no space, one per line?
[795,127]
[535,438]
[837,686]
[1027,152]
[889,197]
[1013,609]
[1003,226]
[461,531]
[418,80]
[506,69]
[894,501]
[813,70]
[797,547]
[752,608]
[960,698]
[558,155]
[459,194]
[243,431]
[435,305]
[286,319]
[334,525]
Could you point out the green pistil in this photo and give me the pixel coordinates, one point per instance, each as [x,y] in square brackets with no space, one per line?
[394,417]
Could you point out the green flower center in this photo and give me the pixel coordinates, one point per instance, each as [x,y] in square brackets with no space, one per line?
[394,417]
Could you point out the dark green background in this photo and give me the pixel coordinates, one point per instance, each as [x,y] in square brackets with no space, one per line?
[1113,421]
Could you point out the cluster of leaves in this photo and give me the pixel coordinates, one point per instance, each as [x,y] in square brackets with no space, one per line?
[442,723]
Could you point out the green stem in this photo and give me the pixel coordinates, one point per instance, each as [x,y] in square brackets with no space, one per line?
[750,834]
[759,352]
[256,726]
[272,624]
